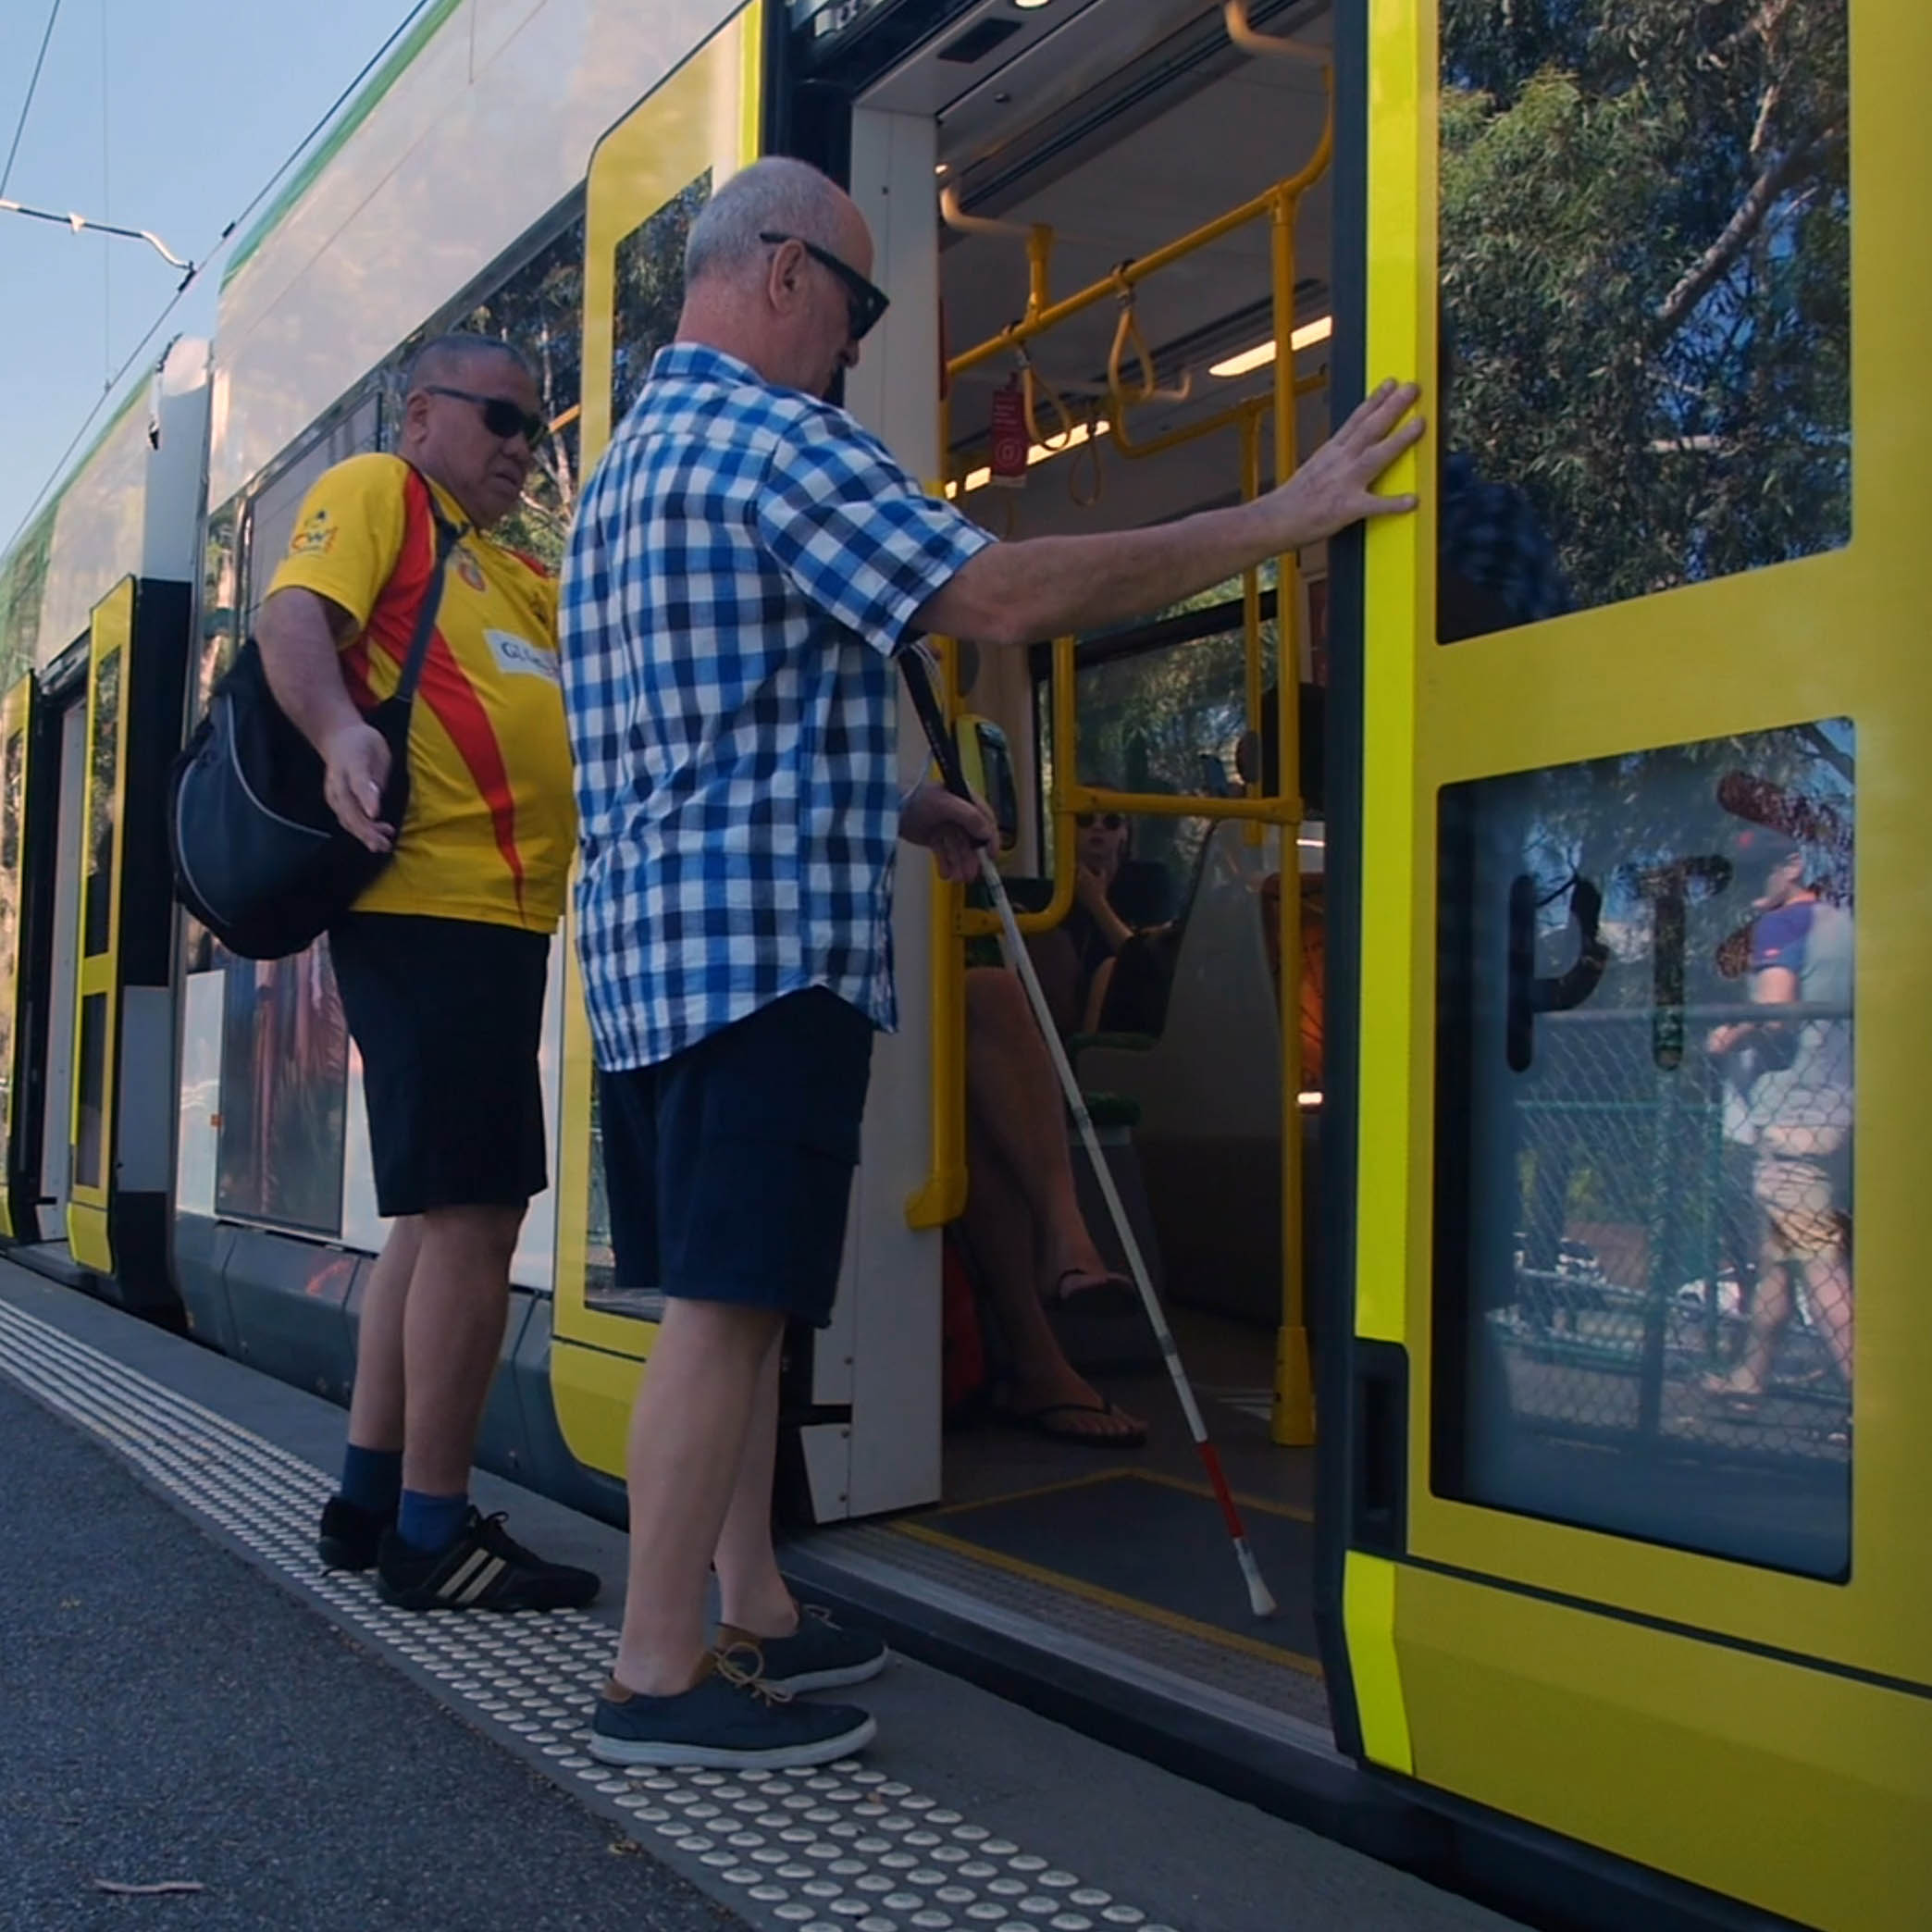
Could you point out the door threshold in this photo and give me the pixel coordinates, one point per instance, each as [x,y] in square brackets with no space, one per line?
[1084,1665]
[55,1260]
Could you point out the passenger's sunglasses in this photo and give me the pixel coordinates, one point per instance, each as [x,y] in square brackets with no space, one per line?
[864,303]
[1107,821]
[501,416]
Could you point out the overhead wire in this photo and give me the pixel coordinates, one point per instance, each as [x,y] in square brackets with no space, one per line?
[32,88]
[107,208]
[211,255]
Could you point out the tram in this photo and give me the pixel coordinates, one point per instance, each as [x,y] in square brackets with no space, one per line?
[1494,1129]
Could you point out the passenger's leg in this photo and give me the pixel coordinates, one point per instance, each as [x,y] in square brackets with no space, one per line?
[1000,1230]
[376,1400]
[453,1334]
[690,1431]
[752,1596]
[1015,1098]
[371,1490]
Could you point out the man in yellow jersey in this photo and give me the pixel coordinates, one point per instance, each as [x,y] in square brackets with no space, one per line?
[442,962]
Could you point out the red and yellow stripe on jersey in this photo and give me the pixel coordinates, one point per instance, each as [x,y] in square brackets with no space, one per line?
[491,823]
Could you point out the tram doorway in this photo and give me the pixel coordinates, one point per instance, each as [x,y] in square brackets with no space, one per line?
[1132,214]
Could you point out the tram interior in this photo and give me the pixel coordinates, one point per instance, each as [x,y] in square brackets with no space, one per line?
[1126,131]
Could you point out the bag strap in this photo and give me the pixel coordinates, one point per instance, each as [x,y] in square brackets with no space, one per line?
[447,536]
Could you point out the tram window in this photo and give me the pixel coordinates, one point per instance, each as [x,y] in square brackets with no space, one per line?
[271,515]
[284,1093]
[103,783]
[1164,710]
[90,1122]
[23,584]
[538,307]
[651,290]
[1644,1145]
[1644,258]
[13,802]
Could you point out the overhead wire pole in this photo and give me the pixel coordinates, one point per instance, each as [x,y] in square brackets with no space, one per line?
[194,270]
[32,88]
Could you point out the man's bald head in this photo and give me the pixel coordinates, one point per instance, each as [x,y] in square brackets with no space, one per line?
[776,195]
[765,274]
[452,360]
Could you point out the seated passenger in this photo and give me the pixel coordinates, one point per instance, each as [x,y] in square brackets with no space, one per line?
[1022,1222]
[1120,924]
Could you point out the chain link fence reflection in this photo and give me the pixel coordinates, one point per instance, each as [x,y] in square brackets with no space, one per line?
[1682,1270]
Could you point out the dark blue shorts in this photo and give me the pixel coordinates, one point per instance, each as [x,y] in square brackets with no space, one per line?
[730,1166]
[448,1016]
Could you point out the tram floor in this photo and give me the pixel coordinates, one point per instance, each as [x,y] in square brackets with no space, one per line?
[1128,1545]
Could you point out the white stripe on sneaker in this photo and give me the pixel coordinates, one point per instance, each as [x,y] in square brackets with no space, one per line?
[497,1568]
[452,1588]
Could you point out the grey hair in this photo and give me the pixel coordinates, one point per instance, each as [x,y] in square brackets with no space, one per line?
[443,359]
[776,195]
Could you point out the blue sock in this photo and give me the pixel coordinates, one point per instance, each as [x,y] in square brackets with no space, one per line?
[431,1522]
[372,1479]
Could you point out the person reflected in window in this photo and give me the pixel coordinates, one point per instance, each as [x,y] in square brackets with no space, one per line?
[1789,1098]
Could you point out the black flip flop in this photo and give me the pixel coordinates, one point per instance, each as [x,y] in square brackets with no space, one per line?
[1037,1421]
[1110,1294]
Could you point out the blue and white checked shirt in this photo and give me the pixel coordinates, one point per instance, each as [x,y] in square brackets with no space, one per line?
[745,562]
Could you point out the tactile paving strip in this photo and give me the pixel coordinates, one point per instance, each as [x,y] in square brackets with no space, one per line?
[842,1849]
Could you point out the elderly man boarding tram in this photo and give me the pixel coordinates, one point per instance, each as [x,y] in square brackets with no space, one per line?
[442,963]
[746,563]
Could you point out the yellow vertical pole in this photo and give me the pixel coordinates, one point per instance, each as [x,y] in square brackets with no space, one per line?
[943,1197]
[1292,1419]
[1251,609]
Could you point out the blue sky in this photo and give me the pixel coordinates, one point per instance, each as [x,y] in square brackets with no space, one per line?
[162,119]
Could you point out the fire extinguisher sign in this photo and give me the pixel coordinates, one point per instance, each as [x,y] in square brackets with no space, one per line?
[1008,462]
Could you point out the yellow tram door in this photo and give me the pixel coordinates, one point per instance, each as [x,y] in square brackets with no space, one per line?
[1636,1390]
[648,178]
[120,1156]
[22,826]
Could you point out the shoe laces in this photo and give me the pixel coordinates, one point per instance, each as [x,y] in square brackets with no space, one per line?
[747,1676]
[498,1541]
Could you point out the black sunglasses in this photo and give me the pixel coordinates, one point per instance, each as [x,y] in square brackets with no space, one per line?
[1107,820]
[501,416]
[864,303]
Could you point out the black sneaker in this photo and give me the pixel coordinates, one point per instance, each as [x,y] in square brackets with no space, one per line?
[351,1536]
[485,1568]
[727,1720]
[818,1656]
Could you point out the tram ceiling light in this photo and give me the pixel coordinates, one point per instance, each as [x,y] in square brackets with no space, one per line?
[1259,357]
[1031,6]
[1040,453]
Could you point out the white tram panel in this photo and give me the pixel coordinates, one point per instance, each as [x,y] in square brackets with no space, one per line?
[472,143]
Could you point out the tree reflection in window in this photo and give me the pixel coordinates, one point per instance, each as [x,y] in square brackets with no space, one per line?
[650,275]
[538,309]
[1645,228]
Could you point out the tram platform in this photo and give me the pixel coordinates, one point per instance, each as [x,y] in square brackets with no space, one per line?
[192,1703]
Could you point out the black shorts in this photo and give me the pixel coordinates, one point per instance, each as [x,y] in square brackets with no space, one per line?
[448,1014]
[730,1166]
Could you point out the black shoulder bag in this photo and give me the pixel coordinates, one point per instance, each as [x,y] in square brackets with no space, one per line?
[259,857]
